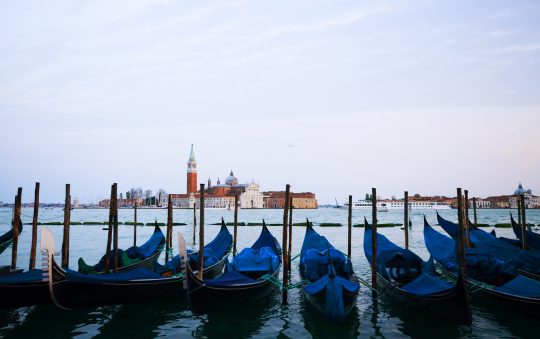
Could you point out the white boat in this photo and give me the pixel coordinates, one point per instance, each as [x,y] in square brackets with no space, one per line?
[417,205]
[385,205]
[365,205]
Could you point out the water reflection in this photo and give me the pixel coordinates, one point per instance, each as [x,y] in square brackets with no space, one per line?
[317,325]
[243,322]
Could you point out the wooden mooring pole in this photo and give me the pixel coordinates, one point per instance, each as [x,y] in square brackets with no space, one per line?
[109,233]
[16,222]
[115,228]
[169,228]
[466,218]
[201,234]
[194,220]
[349,230]
[523,222]
[135,224]
[406,219]
[461,241]
[284,244]
[235,230]
[65,241]
[474,212]
[33,245]
[374,238]
[289,237]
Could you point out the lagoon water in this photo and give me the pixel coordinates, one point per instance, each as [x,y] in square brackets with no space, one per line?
[381,319]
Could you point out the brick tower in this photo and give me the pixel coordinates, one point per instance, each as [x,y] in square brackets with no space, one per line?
[191,173]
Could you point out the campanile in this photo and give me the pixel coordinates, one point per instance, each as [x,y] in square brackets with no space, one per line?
[192,173]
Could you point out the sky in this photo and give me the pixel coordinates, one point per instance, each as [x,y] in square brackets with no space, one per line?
[333,97]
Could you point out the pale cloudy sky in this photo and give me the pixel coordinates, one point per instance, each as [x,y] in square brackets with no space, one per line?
[417,95]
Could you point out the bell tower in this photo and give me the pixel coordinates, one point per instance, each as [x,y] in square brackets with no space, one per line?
[192,173]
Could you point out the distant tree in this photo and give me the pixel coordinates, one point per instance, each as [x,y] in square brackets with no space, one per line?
[368,197]
[416,196]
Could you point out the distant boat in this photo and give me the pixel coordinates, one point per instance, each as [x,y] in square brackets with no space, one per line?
[365,205]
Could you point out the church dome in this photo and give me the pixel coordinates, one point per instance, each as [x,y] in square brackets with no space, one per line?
[231,180]
[520,190]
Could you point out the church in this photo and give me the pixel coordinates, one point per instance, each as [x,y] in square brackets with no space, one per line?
[218,195]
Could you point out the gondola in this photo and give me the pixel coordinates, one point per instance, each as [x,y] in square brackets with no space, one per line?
[486,275]
[249,278]
[6,238]
[134,257]
[515,259]
[72,290]
[533,239]
[331,285]
[407,278]
[30,288]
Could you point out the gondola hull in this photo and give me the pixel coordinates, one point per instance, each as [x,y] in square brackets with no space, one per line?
[75,294]
[318,301]
[486,296]
[26,294]
[205,299]
[449,305]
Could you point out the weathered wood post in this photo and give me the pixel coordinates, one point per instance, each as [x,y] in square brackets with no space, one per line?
[466,217]
[115,228]
[284,244]
[519,210]
[349,229]
[524,223]
[289,237]
[235,231]
[109,233]
[523,208]
[406,219]
[169,228]
[135,223]
[201,234]
[374,238]
[16,222]
[194,220]
[33,245]
[65,241]
[474,212]
[461,241]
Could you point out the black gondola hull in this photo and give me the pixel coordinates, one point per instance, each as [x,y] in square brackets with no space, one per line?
[452,305]
[22,295]
[529,307]
[205,299]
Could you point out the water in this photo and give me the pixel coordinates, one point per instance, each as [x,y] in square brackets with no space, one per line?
[383,318]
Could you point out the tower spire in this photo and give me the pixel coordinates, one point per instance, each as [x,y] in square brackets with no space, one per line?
[192,154]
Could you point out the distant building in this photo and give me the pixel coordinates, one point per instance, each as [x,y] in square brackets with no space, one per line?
[276,199]
[511,201]
[216,196]
[480,203]
[531,201]
[76,203]
[122,203]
